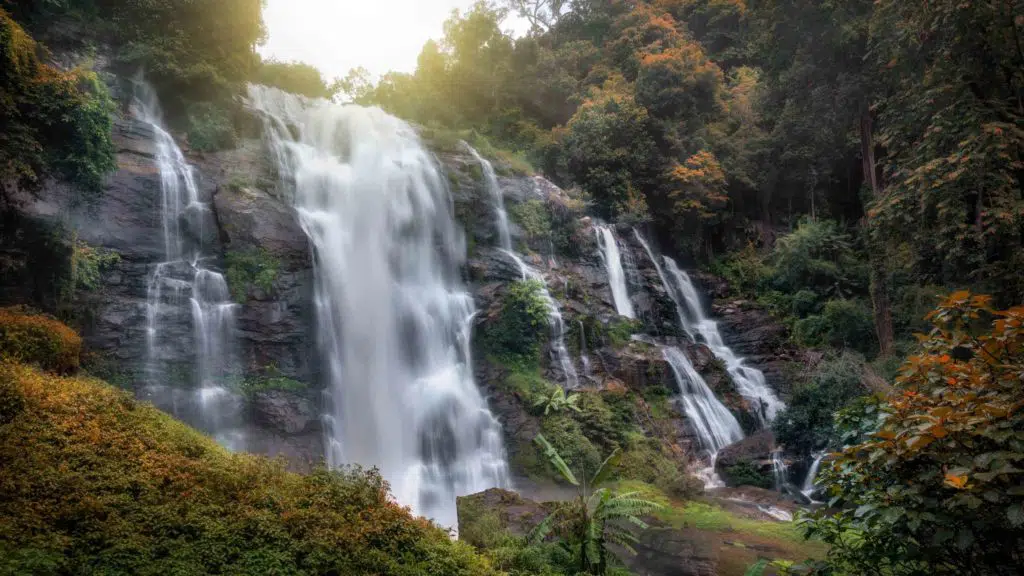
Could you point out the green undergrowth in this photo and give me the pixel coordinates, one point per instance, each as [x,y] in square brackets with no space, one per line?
[506,162]
[250,269]
[96,482]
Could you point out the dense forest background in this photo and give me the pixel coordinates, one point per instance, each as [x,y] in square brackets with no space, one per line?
[843,163]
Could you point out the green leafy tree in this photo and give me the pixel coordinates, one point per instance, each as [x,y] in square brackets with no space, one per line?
[558,401]
[598,518]
[938,486]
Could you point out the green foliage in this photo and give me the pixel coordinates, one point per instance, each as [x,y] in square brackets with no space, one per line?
[210,127]
[254,268]
[598,519]
[38,339]
[97,482]
[295,77]
[806,425]
[54,123]
[744,473]
[619,331]
[522,326]
[931,482]
[568,439]
[532,216]
[558,401]
[841,324]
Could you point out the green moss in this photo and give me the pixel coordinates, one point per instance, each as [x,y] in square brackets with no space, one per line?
[96,482]
[254,383]
[644,460]
[251,268]
[210,128]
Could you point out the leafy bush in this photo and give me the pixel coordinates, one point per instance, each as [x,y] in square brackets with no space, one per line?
[56,124]
[268,379]
[934,486]
[522,326]
[744,473]
[818,256]
[841,324]
[249,269]
[210,128]
[295,77]
[38,339]
[11,400]
[806,425]
[567,436]
[532,216]
[96,482]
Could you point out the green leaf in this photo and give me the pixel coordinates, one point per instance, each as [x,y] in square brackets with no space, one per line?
[757,568]
[552,455]
[606,468]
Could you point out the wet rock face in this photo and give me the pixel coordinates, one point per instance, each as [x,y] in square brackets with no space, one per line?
[668,552]
[284,411]
[494,512]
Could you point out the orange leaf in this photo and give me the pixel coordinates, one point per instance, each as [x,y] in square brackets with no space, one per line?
[958,482]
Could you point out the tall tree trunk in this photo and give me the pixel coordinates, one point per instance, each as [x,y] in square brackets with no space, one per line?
[876,249]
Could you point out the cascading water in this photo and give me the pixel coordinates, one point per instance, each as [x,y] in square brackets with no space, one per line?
[555,319]
[584,356]
[500,215]
[394,320]
[609,249]
[780,472]
[750,382]
[181,290]
[714,425]
[812,475]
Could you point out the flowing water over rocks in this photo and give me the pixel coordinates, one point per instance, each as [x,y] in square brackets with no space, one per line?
[184,289]
[616,276]
[393,318]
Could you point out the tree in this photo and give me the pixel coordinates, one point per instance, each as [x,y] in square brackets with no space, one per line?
[598,517]
[541,14]
[938,487]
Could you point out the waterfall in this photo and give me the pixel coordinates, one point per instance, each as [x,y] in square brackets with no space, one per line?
[500,215]
[584,357]
[780,471]
[713,423]
[181,289]
[393,319]
[812,475]
[613,263]
[555,320]
[750,382]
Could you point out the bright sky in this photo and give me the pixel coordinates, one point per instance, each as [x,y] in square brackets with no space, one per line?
[337,35]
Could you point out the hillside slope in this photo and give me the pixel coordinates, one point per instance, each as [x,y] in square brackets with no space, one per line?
[94,482]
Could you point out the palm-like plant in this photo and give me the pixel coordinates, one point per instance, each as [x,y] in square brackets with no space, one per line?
[598,517]
[558,401]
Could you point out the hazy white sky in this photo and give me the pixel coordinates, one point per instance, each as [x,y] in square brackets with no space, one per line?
[336,35]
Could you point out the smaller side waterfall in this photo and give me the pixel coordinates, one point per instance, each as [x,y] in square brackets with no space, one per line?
[780,471]
[616,276]
[584,356]
[812,475]
[555,320]
[500,215]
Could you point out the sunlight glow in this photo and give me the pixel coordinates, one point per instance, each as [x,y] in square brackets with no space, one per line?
[337,35]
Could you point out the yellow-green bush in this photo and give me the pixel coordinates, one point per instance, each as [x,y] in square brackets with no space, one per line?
[38,339]
[95,482]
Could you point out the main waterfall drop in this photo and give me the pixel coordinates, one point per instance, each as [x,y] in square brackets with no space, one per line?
[609,249]
[393,318]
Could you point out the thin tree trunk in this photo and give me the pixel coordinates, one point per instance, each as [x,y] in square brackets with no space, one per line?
[876,250]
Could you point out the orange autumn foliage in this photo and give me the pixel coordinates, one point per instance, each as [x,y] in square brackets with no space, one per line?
[38,339]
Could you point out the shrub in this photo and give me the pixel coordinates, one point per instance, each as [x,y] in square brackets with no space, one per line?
[567,436]
[806,425]
[95,482]
[841,324]
[38,339]
[518,332]
[818,256]
[532,216]
[295,77]
[744,473]
[210,128]
[248,269]
[11,400]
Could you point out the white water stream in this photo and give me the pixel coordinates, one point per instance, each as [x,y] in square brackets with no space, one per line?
[609,250]
[183,290]
[394,320]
